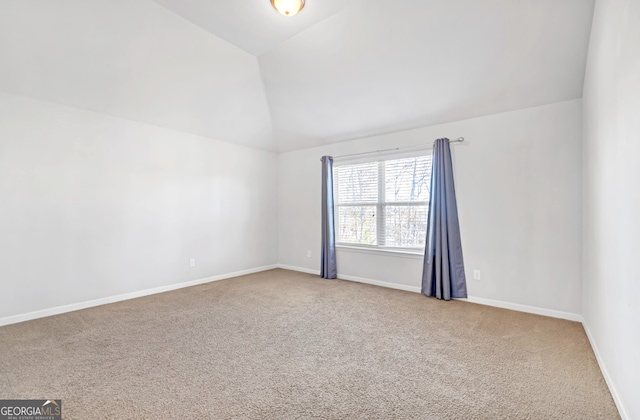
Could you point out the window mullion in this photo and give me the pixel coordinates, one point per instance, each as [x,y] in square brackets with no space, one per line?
[380,213]
[336,218]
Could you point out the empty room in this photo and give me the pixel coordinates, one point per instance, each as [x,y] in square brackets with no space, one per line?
[319,209]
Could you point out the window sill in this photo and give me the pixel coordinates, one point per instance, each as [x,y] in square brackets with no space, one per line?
[379,251]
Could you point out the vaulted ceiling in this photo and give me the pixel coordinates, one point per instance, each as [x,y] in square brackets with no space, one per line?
[235,70]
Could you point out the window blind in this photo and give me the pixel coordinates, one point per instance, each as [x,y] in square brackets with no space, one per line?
[383,203]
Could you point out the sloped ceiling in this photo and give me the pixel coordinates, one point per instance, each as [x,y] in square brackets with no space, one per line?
[378,67]
[137,60]
[239,72]
[253,25]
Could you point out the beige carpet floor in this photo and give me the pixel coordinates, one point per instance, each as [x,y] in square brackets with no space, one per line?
[285,345]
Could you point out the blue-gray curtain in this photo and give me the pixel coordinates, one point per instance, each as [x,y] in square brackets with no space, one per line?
[443,272]
[328,269]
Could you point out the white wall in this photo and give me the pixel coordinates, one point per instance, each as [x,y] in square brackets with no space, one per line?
[518,179]
[94,206]
[612,198]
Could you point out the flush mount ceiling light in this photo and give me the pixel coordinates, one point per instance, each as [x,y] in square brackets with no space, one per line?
[288,7]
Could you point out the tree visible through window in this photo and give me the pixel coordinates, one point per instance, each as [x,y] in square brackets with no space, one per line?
[383,204]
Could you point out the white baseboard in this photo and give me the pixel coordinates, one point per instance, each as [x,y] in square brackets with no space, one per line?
[416,289]
[14,319]
[482,301]
[605,373]
[299,269]
[525,308]
[353,278]
[397,286]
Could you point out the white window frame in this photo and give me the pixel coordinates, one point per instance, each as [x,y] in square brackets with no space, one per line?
[379,205]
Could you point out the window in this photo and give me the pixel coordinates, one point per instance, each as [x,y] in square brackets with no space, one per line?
[383,204]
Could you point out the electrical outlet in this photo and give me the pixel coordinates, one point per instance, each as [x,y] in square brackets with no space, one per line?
[308,254]
[476,275]
[192,262]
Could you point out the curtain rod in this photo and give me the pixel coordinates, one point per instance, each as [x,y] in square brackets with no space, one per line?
[414,147]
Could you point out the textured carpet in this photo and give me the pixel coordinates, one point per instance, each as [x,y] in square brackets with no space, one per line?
[280,344]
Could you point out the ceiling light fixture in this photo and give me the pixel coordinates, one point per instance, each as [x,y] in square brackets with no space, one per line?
[288,7]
